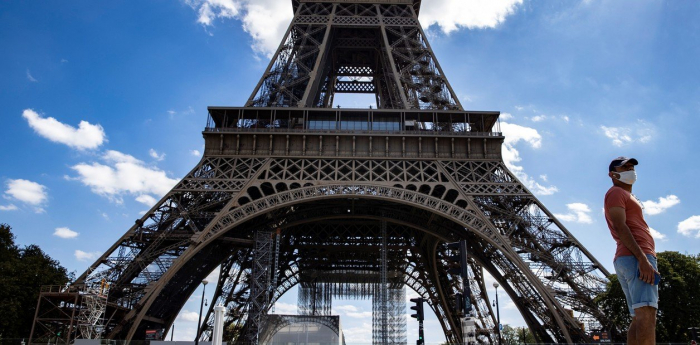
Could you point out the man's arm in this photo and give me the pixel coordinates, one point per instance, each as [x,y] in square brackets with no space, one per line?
[619,218]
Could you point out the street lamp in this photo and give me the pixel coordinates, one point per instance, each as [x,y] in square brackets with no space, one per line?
[201,306]
[498,315]
[693,333]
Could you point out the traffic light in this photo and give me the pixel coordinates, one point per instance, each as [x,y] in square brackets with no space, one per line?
[459,303]
[458,266]
[458,261]
[418,308]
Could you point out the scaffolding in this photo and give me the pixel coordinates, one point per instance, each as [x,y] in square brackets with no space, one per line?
[259,284]
[386,289]
[92,311]
[388,302]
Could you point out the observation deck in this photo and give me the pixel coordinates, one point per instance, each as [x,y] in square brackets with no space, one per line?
[353,132]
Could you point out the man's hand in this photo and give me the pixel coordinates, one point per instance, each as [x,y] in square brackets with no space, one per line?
[646,271]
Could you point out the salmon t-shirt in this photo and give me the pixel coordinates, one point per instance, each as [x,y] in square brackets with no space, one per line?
[618,197]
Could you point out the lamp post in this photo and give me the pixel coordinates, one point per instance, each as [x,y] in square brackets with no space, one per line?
[498,315]
[201,306]
[693,333]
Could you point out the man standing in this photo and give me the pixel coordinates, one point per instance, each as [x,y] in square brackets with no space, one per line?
[635,257]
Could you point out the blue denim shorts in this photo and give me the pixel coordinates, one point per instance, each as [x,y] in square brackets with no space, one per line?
[638,293]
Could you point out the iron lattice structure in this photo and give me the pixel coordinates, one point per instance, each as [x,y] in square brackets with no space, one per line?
[360,202]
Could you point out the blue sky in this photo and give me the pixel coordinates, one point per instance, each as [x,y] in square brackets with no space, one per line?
[103,108]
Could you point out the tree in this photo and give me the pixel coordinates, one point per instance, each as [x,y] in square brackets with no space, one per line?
[679,296]
[612,303]
[22,273]
[517,335]
[525,336]
[679,299]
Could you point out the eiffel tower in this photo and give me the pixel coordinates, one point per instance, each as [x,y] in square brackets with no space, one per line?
[337,202]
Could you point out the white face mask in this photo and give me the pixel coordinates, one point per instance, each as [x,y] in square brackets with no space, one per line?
[627,177]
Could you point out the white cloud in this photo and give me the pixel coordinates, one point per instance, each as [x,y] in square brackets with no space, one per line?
[195,153]
[188,111]
[190,316]
[30,77]
[640,132]
[543,177]
[344,308]
[657,235]
[10,207]
[619,136]
[85,256]
[410,293]
[285,308]
[514,134]
[155,155]
[124,175]
[26,191]
[86,136]
[185,333]
[690,227]
[264,20]
[653,208]
[267,20]
[538,118]
[565,118]
[213,277]
[505,116]
[210,10]
[451,15]
[65,233]
[118,157]
[351,311]
[146,199]
[510,306]
[578,213]
[358,335]
[360,315]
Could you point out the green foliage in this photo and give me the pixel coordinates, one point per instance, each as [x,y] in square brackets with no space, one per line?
[232,332]
[679,298]
[612,303]
[517,335]
[22,273]
[525,336]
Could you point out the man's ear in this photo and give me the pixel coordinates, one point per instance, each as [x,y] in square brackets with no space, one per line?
[612,174]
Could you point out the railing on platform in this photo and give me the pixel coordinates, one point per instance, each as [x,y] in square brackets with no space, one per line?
[349,132]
